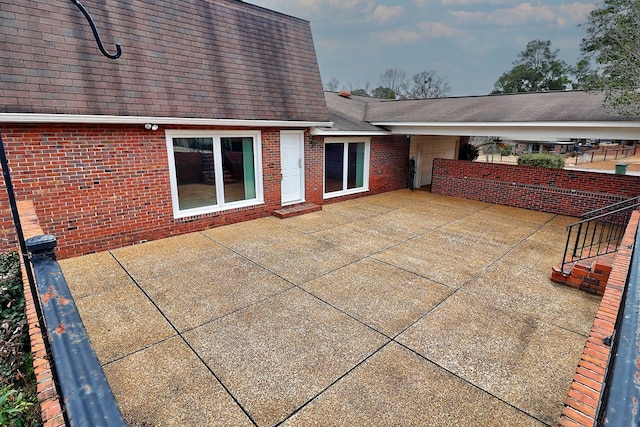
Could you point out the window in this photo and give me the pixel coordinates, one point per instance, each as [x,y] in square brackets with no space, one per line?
[213,171]
[346,167]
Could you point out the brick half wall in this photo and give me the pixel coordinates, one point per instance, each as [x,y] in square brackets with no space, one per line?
[559,191]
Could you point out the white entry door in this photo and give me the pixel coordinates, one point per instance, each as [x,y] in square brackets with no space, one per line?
[292,160]
[428,148]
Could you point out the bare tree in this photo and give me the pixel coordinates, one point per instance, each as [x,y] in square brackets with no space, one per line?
[332,85]
[428,84]
[395,80]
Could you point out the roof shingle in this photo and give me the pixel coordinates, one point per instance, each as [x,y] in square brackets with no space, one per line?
[221,59]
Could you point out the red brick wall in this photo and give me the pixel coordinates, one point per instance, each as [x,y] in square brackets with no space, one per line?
[99,187]
[389,167]
[564,192]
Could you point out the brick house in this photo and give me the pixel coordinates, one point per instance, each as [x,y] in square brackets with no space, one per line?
[214,114]
[204,120]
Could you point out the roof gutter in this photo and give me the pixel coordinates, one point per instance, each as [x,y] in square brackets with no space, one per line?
[100,119]
[317,131]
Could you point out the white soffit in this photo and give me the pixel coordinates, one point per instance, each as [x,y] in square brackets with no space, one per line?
[332,132]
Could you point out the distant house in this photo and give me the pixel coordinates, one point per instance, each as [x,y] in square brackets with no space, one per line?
[215,114]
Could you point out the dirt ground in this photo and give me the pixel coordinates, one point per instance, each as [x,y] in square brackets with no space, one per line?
[633,162]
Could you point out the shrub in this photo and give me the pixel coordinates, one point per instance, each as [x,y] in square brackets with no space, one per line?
[468,152]
[542,160]
[13,407]
[18,392]
[506,150]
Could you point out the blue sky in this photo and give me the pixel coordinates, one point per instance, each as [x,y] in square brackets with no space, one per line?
[468,42]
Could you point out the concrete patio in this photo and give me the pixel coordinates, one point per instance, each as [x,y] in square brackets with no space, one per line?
[405,308]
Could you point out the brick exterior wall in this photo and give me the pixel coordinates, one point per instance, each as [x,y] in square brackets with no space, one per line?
[101,187]
[389,167]
[563,192]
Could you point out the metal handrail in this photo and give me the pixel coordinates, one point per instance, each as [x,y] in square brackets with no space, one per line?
[599,234]
[589,214]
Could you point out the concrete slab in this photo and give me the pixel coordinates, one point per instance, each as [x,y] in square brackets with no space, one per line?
[492,228]
[384,297]
[122,321]
[359,238]
[190,298]
[427,259]
[535,252]
[163,257]
[529,291]
[518,214]
[302,258]
[316,221]
[504,353]
[397,387]
[286,314]
[167,385]
[356,209]
[278,354]
[246,236]
[94,274]
[402,223]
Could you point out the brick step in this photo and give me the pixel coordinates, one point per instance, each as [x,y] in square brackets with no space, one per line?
[589,275]
[295,210]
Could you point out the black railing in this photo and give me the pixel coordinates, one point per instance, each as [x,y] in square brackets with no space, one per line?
[598,232]
[620,394]
[86,395]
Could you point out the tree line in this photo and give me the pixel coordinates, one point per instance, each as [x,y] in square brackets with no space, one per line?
[610,63]
[394,84]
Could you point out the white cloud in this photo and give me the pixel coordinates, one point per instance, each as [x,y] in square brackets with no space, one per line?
[560,15]
[396,37]
[437,30]
[382,14]
[474,2]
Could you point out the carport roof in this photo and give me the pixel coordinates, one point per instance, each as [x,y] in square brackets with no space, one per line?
[570,114]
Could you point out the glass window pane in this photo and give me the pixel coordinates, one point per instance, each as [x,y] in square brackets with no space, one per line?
[355,173]
[195,175]
[238,169]
[333,167]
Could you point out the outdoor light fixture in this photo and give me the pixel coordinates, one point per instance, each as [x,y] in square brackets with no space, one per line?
[151,126]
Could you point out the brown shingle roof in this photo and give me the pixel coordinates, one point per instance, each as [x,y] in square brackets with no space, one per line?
[202,58]
[566,106]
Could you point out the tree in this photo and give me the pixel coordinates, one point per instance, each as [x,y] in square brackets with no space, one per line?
[585,77]
[395,80]
[358,90]
[613,42]
[383,93]
[428,84]
[537,69]
[332,85]
[468,152]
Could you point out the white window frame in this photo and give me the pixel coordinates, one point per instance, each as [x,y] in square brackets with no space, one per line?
[216,136]
[366,167]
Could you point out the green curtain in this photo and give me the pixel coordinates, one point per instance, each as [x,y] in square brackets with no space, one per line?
[249,170]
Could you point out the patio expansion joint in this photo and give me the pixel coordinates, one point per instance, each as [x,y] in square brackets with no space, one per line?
[345,374]
[464,380]
[222,384]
